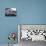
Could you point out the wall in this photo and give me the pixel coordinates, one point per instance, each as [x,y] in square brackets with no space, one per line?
[28,12]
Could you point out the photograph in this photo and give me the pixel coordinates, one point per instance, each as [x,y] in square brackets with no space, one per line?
[31,33]
[10,11]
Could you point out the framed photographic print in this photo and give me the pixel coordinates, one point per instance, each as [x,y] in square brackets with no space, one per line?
[32,32]
[10,11]
[28,34]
